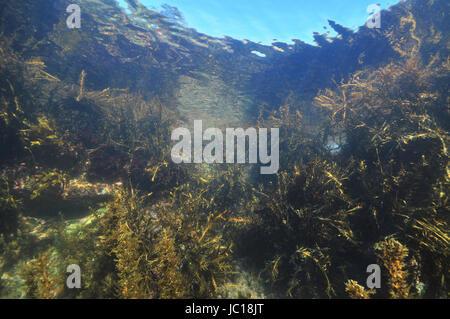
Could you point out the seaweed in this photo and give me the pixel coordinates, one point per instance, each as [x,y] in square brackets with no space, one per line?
[364,172]
[393,255]
[40,282]
[356,291]
[384,175]
[162,253]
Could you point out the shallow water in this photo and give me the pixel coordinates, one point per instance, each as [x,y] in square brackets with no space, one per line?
[87,176]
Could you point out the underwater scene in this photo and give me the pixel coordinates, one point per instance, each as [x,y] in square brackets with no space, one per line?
[144,158]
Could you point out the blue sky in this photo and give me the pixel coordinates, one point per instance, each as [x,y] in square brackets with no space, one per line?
[265,20]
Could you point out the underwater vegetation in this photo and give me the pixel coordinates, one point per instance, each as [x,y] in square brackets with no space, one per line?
[86,176]
[387,176]
[167,251]
[390,174]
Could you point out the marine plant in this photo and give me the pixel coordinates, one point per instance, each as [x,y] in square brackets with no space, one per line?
[170,249]
[393,256]
[386,175]
[356,291]
[40,281]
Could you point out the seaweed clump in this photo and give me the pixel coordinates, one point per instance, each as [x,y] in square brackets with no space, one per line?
[375,166]
[395,121]
[166,250]
[393,255]
[356,291]
[40,282]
